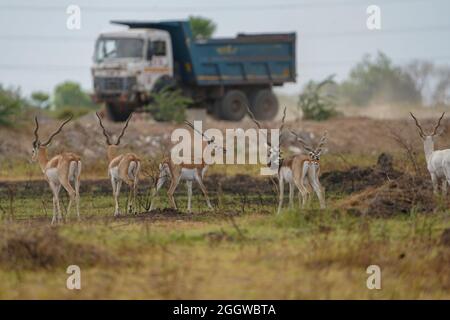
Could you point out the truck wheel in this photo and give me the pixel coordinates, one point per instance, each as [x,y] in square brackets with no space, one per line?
[118,113]
[233,106]
[165,82]
[264,104]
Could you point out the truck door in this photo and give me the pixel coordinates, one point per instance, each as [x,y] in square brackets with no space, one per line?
[160,64]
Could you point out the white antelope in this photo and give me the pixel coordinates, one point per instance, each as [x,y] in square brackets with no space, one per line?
[59,171]
[438,161]
[123,167]
[185,171]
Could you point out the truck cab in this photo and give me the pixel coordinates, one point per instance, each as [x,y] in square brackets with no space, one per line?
[224,75]
[127,66]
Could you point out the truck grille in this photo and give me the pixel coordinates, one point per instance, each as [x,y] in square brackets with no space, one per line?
[114,83]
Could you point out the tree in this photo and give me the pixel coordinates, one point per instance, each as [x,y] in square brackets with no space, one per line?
[11,103]
[379,80]
[202,28]
[70,94]
[315,102]
[420,72]
[40,99]
[441,94]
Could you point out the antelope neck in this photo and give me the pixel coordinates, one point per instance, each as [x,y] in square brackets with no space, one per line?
[42,157]
[112,152]
[428,147]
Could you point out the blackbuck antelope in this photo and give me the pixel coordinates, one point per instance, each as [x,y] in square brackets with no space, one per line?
[275,159]
[298,170]
[438,161]
[123,167]
[306,169]
[59,171]
[184,171]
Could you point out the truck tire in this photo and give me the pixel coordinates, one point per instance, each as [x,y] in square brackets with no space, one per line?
[232,106]
[165,82]
[264,104]
[117,112]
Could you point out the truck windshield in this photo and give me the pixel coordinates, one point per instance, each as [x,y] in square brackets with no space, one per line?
[119,48]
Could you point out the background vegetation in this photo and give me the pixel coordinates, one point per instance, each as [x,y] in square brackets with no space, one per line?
[202,28]
[11,105]
[169,105]
[376,81]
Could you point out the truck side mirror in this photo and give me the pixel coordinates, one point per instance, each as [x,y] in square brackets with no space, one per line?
[149,52]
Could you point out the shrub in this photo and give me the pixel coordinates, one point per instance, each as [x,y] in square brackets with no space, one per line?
[76,112]
[71,94]
[315,103]
[169,105]
[378,80]
[11,104]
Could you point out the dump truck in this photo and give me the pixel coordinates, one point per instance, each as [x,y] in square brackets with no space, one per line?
[223,75]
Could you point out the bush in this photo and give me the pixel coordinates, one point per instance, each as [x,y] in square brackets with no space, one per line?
[169,105]
[379,80]
[316,104]
[65,112]
[70,94]
[11,104]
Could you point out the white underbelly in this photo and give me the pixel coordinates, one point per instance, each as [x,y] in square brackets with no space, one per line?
[188,174]
[287,175]
[52,175]
[114,171]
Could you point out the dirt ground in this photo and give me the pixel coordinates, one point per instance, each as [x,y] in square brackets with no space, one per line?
[360,135]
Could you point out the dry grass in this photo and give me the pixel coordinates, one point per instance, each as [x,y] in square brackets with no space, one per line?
[43,247]
[241,250]
[317,255]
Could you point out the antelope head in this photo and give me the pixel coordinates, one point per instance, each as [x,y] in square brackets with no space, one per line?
[37,144]
[110,144]
[313,152]
[428,138]
[274,154]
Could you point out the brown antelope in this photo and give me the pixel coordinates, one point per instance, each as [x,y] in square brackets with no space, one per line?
[295,170]
[275,158]
[306,169]
[59,171]
[123,167]
[184,171]
[438,161]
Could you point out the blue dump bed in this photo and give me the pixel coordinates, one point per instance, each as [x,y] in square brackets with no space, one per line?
[243,60]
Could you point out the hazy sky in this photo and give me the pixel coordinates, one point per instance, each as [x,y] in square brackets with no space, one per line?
[37,51]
